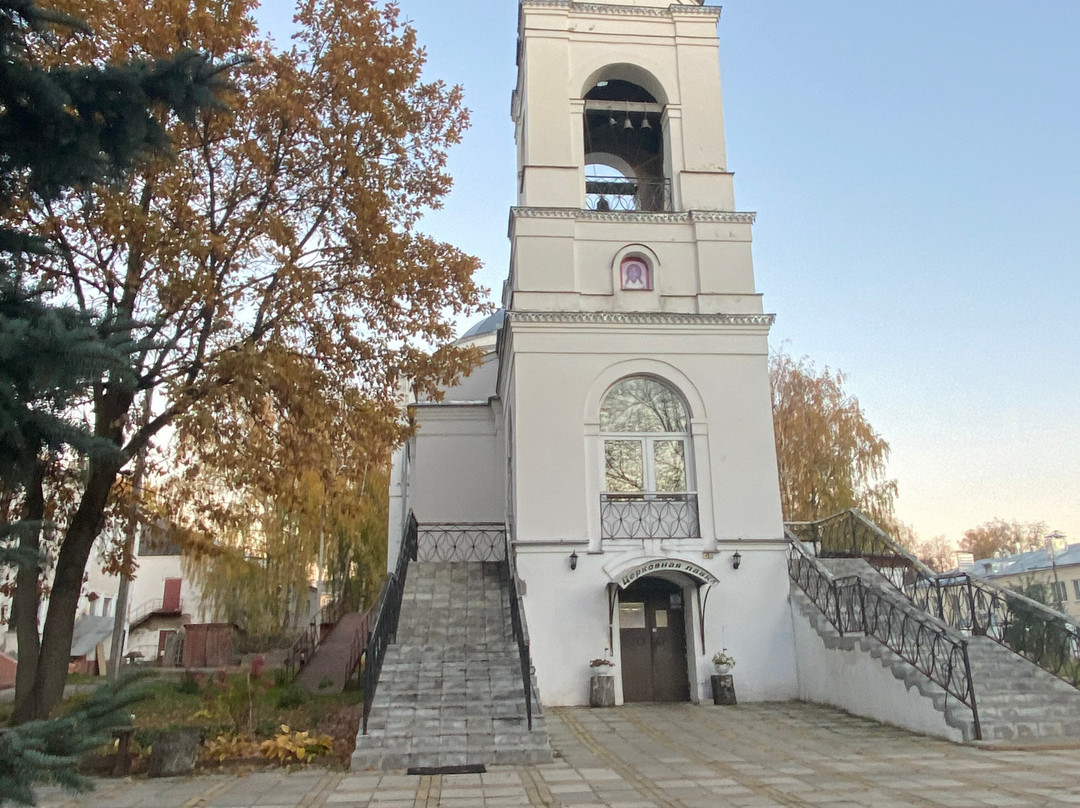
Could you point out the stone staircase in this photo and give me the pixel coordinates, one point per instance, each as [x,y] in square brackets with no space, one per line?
[954,715]
[1017,700]
[450,692]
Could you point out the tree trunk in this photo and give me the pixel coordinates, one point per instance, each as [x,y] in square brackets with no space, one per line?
[27,600]
[111,407]
[52,663]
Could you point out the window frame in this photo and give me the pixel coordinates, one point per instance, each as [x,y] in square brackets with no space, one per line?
[1059,591]
[647,441]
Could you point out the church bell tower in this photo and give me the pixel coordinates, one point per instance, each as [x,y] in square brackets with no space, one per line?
[634,360]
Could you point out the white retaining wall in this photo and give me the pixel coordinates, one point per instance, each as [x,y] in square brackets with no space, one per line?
[855,681]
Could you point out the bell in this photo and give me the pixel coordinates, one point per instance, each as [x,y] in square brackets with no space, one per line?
[611,120]
[645,123]
[628,124]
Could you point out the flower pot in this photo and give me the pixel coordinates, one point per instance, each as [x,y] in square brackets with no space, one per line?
[722,669]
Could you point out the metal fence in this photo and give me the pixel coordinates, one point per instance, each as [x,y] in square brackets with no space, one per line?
[627,193]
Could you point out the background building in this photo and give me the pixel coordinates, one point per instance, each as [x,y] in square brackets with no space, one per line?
[1056,568]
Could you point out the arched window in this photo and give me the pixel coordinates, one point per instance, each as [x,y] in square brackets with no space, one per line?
[648,485]
[624,148]
[646,438]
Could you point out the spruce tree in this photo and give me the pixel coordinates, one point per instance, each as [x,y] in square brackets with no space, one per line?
[49,751]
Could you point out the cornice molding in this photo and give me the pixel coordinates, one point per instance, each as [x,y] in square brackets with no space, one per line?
[636,11]
[650,217]
[639,318]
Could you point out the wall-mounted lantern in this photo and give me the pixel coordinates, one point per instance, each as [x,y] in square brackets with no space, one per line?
[736,560]
[573,561]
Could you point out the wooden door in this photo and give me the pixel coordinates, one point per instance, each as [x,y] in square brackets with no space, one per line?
[162,642]
[171,600]
[652,633]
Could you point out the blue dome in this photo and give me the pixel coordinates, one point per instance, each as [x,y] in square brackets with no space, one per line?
[489,325]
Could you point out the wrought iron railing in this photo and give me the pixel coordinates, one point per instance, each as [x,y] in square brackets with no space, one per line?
[461,541]
[302,649]
[627,193]
[853,605]
[965,602]
[305,645]
[849,534]
[517,623]
[649,516]
[388,611]
[152,607]
[359,641]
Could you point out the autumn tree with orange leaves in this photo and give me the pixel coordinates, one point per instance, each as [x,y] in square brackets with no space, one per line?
[270,268]
[830,458]
[1002,537]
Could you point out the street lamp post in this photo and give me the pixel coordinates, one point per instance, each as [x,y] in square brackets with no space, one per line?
[1050,539]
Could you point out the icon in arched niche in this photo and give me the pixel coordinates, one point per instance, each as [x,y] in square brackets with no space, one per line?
[635,274]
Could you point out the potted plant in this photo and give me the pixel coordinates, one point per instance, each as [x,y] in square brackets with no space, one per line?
[723,661]
[602,666]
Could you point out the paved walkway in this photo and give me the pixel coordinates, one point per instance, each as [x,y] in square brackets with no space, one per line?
[651,756]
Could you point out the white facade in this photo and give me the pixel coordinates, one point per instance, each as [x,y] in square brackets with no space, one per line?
[631,291]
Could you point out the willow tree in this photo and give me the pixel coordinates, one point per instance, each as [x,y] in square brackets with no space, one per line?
[291,476]
[283,230]
[830,458]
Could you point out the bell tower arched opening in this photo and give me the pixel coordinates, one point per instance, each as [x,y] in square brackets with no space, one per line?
[624,148]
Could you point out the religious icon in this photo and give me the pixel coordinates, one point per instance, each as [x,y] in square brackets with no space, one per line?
[634,274]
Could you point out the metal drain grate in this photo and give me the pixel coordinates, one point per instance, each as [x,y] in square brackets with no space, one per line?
[472,768]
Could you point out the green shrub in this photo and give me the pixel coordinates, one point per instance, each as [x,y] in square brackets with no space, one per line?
[282,677]
[290,696]
[188,684]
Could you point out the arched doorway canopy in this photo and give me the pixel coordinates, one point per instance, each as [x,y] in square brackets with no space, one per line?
[674,570]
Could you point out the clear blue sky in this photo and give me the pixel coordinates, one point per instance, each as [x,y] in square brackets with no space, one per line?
[916,173]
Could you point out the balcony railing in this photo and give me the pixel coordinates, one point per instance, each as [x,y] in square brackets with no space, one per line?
[627,193]
[649,516]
